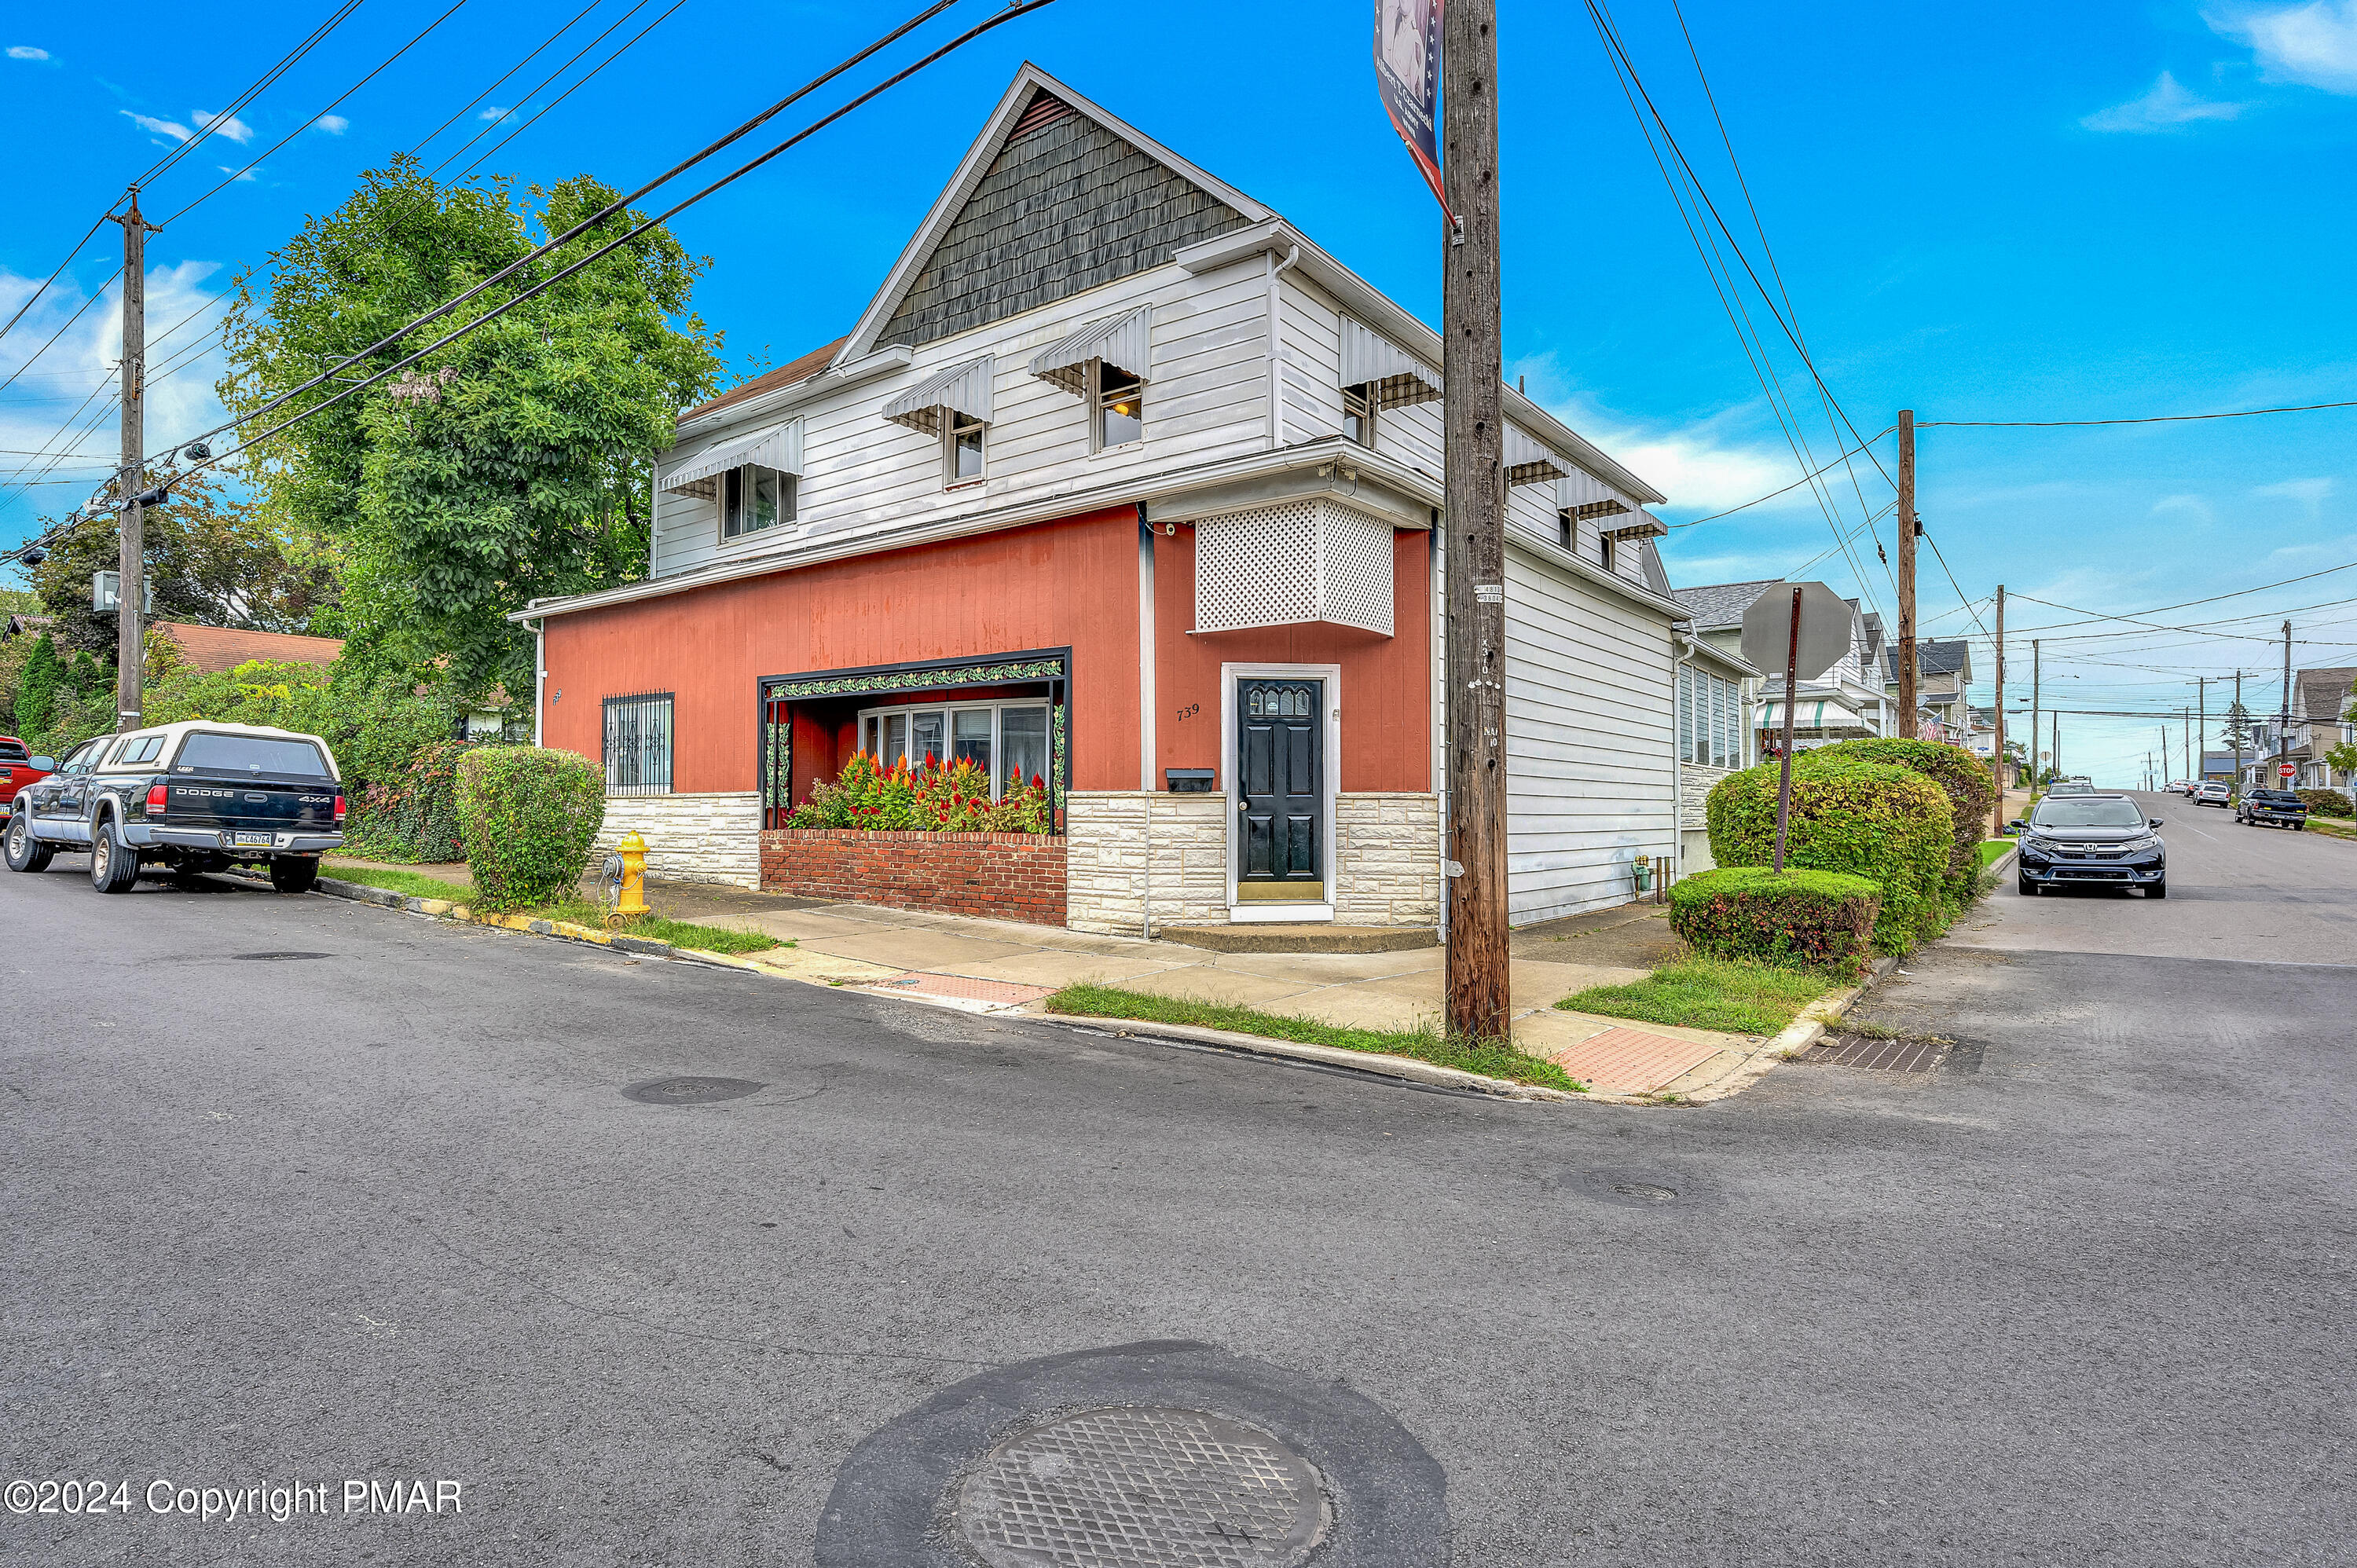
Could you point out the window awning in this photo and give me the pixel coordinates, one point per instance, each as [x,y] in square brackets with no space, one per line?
[779,447]
[1394,378]
[1528,463]
[1122,341]
[961,389]
[1814,712]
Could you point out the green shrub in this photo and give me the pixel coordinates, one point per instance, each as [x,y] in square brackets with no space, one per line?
[528,817]
[376,725]
[1972,793]
[415,815]
[1890,825]
[2328,803]
[1822,919]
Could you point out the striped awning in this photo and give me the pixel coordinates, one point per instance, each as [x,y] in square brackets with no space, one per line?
[1528,463]
[961,389]
[1124,343]
[779,447]
[1812,714]
[1393,377]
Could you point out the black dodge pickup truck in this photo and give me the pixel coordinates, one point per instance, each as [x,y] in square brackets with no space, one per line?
[2273,809]
[195,796]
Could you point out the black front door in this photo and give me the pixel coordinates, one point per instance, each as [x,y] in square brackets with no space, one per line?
[1281,789]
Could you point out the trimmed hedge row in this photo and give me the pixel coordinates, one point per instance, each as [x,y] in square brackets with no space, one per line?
[528,817]
[1890,825]
[1822,919]
[2328,803]
[1972,793]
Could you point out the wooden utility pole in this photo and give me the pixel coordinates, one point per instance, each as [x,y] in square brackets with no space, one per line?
[1996,712]
[2034,736]
[130,482]
[2235,722]
[1473,368]
[2283,723]
[1908,527]
[2201,728]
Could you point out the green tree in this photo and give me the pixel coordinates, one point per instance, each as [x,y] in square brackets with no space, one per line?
[506,466]
[2235,734]
[215,560]
[36,688]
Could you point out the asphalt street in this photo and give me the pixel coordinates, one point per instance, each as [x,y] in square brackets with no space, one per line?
[386,1212]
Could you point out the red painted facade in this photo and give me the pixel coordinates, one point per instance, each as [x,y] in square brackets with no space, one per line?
[1069,584]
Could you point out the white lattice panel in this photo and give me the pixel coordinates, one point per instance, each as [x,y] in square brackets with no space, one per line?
[1283,565]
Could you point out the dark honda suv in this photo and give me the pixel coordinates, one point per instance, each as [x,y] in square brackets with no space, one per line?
[2091,840]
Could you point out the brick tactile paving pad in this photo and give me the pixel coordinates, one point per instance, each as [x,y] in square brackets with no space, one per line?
[924,983]
[1631,1062]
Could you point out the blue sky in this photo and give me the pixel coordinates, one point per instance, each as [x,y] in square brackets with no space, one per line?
[2000,212]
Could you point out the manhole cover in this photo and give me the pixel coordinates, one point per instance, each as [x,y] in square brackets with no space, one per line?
[691,1091]
[275,957]
[1142,1487]
[1645,1190]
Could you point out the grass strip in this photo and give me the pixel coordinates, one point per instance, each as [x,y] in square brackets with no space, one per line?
[1992,848]
[408,884]
[579,911]
[1491,1059]
[1708,994]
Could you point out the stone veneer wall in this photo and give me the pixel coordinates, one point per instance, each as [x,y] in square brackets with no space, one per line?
[691,838]
[1110,871]
[1387,848]
[1128,845]
[1000,876]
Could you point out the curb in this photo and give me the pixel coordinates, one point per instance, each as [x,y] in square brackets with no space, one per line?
[442,909]
[1374,1063]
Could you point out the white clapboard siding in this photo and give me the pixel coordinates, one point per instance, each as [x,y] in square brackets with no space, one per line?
[1309,340]
[1589,782]
[1206,398]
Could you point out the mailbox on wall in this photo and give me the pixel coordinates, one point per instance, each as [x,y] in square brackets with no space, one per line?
[1187,781]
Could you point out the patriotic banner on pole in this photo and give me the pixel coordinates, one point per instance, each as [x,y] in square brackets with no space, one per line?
[1407,75]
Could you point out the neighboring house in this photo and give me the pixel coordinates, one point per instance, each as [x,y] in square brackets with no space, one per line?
[1123,481]
[1845,703]
[2319,704]
[21,624]
[213,649]
[1718,693]
[1944,673]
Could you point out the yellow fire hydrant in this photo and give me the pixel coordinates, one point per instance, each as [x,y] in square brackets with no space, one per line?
[633,898]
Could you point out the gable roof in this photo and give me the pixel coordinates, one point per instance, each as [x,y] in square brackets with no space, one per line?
[1007,209]
[213,649]
[2324,694]
[1720,606]
[785,375]
[1947,656]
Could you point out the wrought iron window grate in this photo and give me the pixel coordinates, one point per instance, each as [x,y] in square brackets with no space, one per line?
[638,750]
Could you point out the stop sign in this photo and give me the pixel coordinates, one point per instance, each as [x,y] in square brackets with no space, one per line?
[2285,770]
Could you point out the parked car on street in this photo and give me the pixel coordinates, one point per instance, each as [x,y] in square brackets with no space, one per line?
[2098,839]
[2177,786]
[2214,793]
[19,767]
[193,796]
[2069,787]
[2273,809]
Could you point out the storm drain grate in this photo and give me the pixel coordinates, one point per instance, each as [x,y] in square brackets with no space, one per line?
[1142,1487]
[691,1091]
[1910,1053]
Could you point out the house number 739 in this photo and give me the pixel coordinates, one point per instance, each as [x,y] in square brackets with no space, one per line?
[1191,710]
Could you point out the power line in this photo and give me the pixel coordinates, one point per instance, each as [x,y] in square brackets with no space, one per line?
[61,332]
[577,85]
[1796,484]
[511,71]
[552,75]
[52,278]
[1000,18]
[260,84]
[381,67]
[2146,419]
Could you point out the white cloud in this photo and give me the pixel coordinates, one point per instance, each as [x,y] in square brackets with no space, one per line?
[27,51]
[244,175]
[2193,505]
[2164,106]
[334,124]
[2309,493]
[1694,466]
[228,125]
[2314,44]
[495,112]
[171,128]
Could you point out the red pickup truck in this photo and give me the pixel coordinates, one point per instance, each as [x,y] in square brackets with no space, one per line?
[17,769]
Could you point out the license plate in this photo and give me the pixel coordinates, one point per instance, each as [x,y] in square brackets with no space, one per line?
[253,841]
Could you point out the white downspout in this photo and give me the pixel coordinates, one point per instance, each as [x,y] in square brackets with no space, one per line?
[1679,664]
[1276,367]
[539,675]
[1146,700]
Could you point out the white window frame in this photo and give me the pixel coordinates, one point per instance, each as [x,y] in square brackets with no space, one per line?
[950,421]
[1363,395]
[788,502]
[1097,443]
[948,708]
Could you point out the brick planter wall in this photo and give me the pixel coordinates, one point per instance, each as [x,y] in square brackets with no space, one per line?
[1002,877]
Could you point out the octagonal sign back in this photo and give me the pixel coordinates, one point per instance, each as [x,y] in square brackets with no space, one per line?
[1825,618]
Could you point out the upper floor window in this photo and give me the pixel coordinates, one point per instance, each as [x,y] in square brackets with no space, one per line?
[1566,531]
[962,445]
[1359,416]
[1120,406]
[754,498]
[1604,551]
